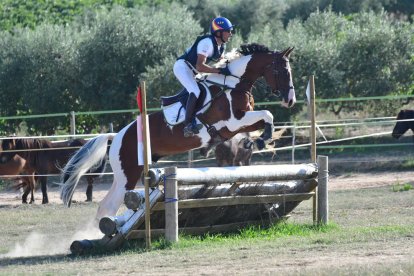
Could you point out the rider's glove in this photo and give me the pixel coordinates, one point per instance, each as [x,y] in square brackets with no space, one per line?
[225,71]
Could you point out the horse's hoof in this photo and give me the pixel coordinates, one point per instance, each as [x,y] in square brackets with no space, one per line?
[45,201]
[248,144]
[260,143]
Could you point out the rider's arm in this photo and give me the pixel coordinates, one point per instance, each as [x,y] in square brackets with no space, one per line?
[202,67]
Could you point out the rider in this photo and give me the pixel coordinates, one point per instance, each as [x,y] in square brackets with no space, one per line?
[205,48]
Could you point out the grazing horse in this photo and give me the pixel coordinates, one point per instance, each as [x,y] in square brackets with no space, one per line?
[43,157]
[230,112]
[402,126]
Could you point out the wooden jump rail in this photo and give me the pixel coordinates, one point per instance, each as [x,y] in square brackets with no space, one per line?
[117,229]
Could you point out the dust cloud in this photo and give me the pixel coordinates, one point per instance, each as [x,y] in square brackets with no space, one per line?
[38,244]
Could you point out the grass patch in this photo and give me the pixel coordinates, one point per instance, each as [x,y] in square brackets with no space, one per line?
[402,187]
[252,233]
[313,234]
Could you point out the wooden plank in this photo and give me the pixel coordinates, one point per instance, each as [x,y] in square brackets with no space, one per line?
[235,200]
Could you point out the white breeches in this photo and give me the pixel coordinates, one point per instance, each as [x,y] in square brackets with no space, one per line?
[186,77]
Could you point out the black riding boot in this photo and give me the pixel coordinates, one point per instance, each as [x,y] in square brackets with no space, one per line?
[191,127]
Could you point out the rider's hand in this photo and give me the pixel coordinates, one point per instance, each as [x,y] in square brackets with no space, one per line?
[225,71]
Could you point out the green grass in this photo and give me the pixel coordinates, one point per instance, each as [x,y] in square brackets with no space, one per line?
[402,187]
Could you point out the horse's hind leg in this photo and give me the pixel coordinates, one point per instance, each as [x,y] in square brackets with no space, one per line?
[26,191]
[112,201]
[89,189]
[43,182]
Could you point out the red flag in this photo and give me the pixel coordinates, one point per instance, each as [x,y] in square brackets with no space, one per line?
[139,99]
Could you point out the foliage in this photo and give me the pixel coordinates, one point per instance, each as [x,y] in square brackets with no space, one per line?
[91,64]
[31,13]
[91,54]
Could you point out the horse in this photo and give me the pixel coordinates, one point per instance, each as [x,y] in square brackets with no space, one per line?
[402,126]
[236,151]
[44,157]
[15,166]
[230,112]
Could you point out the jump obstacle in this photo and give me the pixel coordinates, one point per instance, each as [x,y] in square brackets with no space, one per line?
[212,199]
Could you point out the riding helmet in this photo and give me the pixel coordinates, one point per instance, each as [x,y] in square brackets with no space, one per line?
[220,24]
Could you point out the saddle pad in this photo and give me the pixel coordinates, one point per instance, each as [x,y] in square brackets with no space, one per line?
[174,113]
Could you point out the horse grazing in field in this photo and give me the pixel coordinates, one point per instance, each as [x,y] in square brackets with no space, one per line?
[230,112]
[402,126]
[15,166]
[44,157]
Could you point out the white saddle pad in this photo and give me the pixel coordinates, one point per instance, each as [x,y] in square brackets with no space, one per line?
[175,113]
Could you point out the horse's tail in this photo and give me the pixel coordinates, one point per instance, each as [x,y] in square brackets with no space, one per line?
[89,157]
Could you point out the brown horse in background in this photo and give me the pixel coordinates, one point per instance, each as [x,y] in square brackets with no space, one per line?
[230,112]
[14,167]
[44,157]
[405,121]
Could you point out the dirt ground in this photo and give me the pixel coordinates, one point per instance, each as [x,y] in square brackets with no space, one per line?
[342,182]
[302,257]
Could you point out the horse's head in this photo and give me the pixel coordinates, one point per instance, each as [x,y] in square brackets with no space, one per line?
[274,67]
[278,76]
[402,126]
[7,145]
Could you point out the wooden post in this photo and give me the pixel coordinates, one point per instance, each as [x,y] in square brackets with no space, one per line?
[323,176]
[313,137]
[146,167]
[72,124]
[171,205]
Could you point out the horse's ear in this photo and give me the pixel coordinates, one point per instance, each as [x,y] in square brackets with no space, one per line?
[287,52]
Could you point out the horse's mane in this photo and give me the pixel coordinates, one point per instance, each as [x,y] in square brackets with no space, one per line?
[248,49]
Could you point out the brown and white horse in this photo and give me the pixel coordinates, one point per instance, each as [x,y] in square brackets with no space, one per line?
[231,112]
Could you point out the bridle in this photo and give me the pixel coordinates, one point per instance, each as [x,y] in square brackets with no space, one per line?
[276,63]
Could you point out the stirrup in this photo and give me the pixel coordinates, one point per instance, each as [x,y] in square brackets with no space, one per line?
[191,129]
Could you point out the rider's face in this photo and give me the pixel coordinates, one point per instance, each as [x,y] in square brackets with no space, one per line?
[226,36]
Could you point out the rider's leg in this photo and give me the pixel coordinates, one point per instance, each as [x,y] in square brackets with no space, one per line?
[191,127]
[186,77]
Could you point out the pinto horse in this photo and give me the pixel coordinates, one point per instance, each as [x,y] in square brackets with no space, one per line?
[402,126]
[231,112]
[42,157]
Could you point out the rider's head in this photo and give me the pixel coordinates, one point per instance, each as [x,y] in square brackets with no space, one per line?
[221,25]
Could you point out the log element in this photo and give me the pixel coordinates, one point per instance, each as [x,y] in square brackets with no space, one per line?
[134,199]
[235,200]
[259,173]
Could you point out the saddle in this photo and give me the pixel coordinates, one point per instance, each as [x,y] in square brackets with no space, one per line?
[174,106]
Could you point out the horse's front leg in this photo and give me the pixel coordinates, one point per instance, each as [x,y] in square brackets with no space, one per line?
[251,121]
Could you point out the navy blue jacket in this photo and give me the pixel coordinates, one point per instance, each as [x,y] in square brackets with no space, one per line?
[191,55]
